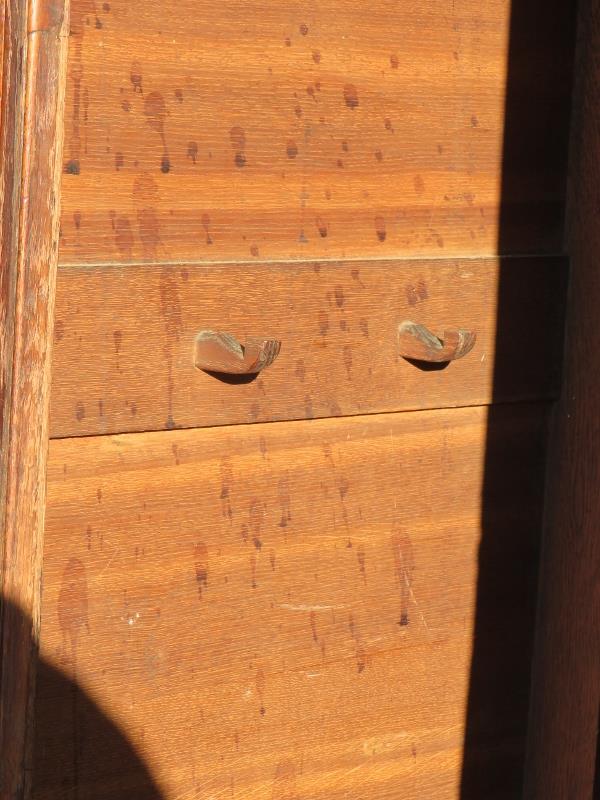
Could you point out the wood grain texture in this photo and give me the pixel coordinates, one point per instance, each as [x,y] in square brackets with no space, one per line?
[124,340]
[257,130]
[285,611]
[33,82]
[563,743]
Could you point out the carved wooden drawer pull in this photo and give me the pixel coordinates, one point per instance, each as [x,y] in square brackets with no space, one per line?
[419,344]
[216,351]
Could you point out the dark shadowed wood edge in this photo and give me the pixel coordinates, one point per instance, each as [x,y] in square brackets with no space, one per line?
[33,83]
[563,730]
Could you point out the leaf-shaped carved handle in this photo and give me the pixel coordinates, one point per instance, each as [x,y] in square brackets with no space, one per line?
[215,351]
[419,344]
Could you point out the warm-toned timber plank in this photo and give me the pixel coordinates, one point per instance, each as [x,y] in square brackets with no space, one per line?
[285,611]
[252,129]
[564,732]
[33,81]
[124,340]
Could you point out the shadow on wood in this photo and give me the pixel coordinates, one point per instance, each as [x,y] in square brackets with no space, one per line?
[96,749]
[534,158]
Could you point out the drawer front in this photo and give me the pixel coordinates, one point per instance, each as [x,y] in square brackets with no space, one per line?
[271,130]
[123,357]
[288,610]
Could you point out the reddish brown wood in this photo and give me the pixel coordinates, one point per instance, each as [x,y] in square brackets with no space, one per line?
[215,351]
[33,74]
[286,611]
[566,675]
[247,130]
[124,366]
[416,342]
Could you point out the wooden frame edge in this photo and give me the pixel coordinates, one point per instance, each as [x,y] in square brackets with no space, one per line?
[33,87]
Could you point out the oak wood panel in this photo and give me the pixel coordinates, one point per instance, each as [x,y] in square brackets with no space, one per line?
[563,748]
[285,611]
[33,72]
[124,340]
[250,130]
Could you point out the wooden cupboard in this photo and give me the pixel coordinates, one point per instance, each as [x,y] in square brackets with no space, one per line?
[318,577]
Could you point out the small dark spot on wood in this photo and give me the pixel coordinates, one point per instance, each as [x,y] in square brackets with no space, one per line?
[106,7]
[262,446]
[126,105]
[77,219]
[313,626]
[360,556]
[237,137]
[206,226]
[98,23]
[350,96]
[304,29]
[165,165]
[119,161]
[378,155]
[79,412]
[339,297]
[179,95]
[192,151]
[59,330]
[316,56]
[298,111]
[474,121]
[201,566]
[380,229]
[288,41]
[117,338]
[394,61]
[135,76]
[291,149]
[388,124]
[323,323]
[254,251]
[72,167]
[340,163]
[322,227]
